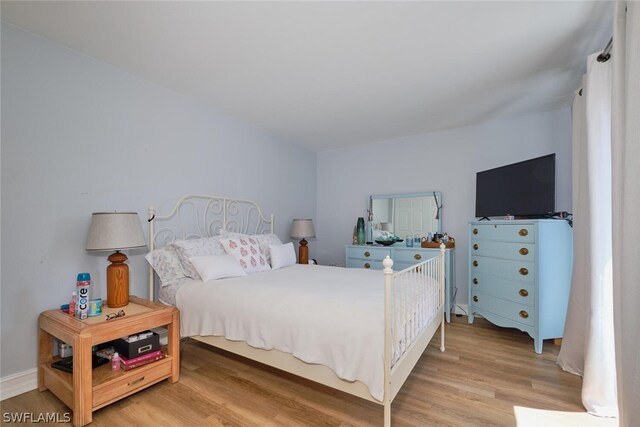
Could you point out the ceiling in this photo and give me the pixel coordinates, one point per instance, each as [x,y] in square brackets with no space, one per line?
[331,74]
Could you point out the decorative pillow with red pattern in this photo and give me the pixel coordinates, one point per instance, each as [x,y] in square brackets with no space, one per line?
[263,240]
[247,252]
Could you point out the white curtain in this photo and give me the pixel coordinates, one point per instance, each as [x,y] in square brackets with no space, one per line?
[588,347]
[626,207]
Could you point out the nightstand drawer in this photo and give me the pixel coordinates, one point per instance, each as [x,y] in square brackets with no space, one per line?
[513,270]
[506,250]
[504,232]
[522,293]
[130,382]
[507,309]
[368,253]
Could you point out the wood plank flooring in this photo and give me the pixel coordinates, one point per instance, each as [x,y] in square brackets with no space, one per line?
[484,372]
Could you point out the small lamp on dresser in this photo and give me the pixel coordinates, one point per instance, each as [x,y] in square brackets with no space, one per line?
[302,229]
[116,231]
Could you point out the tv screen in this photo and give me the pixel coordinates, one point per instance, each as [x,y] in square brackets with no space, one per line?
[521,189]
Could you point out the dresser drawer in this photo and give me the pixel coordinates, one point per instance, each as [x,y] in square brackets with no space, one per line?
[520,271]
[365,263]
[368,253]
[413,256]
[504,232]
[399,266]
[506,250]
[522,293]
[509,310]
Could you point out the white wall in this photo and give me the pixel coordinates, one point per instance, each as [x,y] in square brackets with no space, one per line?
[444,161]
[80,136]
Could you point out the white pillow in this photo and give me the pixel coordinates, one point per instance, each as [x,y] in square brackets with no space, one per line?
[282,255]
[247,253]
[212,267]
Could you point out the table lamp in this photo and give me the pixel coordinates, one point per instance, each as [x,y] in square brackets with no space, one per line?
[301,229]
[116,231]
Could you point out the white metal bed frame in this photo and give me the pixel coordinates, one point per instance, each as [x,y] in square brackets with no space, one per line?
[213,214]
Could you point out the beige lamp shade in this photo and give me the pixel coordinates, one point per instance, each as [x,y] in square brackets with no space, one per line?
[386,226]
[111,231]
[115,231]
[302,229]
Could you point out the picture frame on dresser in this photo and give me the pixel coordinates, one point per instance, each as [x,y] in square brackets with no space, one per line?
[520,275]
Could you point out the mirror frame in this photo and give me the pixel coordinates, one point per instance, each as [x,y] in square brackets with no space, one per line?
[436,194]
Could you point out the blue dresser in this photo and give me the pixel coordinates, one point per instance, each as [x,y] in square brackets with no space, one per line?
[372,256]
[520,275]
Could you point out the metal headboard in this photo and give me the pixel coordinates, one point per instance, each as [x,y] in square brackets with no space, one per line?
[198,215]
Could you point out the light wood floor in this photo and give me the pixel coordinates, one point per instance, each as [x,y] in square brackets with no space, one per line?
[484,373]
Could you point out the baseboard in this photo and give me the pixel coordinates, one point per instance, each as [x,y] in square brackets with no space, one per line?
[22,382]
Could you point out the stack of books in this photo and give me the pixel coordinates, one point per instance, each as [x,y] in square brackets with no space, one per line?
[136,362]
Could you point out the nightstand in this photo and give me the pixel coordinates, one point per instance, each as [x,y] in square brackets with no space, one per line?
[87,389]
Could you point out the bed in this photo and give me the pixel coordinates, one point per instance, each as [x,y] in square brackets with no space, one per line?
[355,330]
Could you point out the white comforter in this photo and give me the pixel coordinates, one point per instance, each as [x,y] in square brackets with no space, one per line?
[326,315]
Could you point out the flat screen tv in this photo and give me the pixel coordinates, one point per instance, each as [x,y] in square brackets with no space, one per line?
[524,189]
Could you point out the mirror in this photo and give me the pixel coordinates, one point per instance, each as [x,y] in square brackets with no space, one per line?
[407,214]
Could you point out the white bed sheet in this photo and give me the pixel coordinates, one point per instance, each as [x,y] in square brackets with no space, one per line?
[325,315]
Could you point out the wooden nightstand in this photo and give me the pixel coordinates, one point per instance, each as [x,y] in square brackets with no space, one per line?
[87,389]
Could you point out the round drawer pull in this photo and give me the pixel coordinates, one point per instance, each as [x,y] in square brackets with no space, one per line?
[367,254]
[475,246]
[523,314]
[367,265]
[475,231]
[523,271]
[417,256]
[475,263]
[523,292]
[475,281]
[524,251]
[475,298]
[523,232]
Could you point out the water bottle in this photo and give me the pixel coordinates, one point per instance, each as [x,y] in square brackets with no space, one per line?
[72,303]
[83,285]
[115,362]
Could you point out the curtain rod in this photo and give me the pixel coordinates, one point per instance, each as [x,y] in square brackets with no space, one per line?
[603,57]
[606,53]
